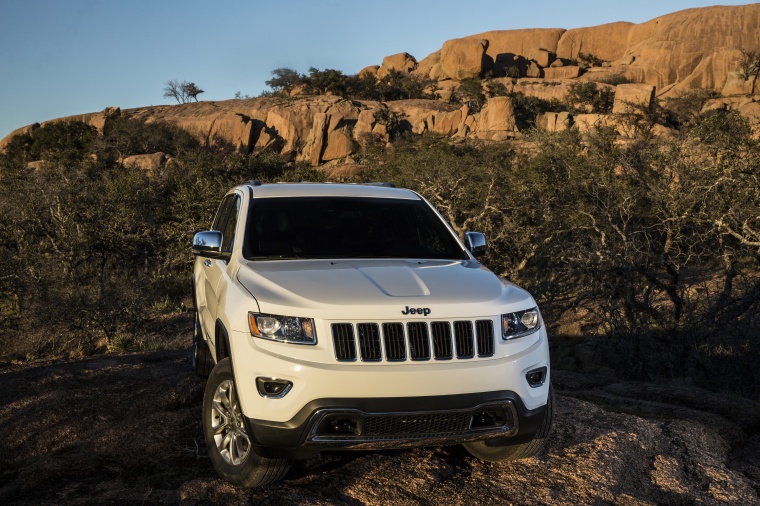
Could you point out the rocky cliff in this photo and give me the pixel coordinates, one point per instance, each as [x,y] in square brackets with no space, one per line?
[695,48]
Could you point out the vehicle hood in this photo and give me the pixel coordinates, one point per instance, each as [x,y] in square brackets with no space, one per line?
[352,289]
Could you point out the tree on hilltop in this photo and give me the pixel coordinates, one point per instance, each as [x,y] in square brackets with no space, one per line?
[182,92]
[284,78]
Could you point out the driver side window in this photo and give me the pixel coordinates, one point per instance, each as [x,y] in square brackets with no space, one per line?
[226,221]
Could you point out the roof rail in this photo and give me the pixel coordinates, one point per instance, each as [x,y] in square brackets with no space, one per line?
[384,184]
[254,182]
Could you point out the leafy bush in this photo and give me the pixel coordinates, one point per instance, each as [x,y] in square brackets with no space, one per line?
[587,60]
[684,108]
[394,85]
[284,78]
[471,91]
[94,249]
[720,128]
[588,97]
[528,108]
[655,243]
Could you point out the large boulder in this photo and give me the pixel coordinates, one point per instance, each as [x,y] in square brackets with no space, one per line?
[94,119]
[27,130]
[339,143]
[544,57]
[446,89]
[608,42]
[370,70]
[315,141]
[364,124]
[497,119]
[554,121]
[149,163]
[421,116]
[430,66]
[527,42]
[737,85]
[211,123]
[403,62]
[675,52]
[632,98]
[670,49]
[568,72]
[463,58]
[545,89]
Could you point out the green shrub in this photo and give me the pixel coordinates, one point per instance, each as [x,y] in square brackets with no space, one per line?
[588,97]
[653,242]
[587,60]
[656,243]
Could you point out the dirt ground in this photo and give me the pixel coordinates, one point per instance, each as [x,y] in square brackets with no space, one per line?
[126,429]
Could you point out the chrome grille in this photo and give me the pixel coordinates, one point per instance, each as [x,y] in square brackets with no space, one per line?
[484,330]
[441,340]
[418,341]
[369,341]
[419,344]
[343,340]
[463,338]
[395,345]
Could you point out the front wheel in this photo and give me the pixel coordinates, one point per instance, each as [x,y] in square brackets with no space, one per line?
[227,438]
[492,451]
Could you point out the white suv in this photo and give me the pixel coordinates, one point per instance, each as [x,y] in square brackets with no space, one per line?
[339,316]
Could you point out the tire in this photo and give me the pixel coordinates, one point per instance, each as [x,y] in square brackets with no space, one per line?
[492,451]
[202,361]
[227,435]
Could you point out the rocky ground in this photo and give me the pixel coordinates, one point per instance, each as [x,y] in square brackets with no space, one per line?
[126,429]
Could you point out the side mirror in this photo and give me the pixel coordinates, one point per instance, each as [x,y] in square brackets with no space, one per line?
[208,244]
[476,243]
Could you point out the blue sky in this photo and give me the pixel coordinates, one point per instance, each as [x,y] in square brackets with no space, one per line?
[64,57]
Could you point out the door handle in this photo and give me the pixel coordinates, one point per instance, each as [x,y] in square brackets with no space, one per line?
[207,262]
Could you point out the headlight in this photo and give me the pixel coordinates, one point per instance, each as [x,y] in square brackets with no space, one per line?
[520,323]
[287,329]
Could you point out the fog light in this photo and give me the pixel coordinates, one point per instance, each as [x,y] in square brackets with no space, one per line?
[536,377]
[273,388]
[495,417]
[344,426]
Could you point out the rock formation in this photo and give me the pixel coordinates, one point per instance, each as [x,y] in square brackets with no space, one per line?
[695,48]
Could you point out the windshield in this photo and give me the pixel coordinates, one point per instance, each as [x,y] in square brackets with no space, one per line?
[346,227]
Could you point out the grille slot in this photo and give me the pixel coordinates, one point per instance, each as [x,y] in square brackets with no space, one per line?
[369,342]
[484,332]
[395,346]
[419,344]
[398,342]
[416,425]
[354,426]
[463,337]
[344,341]
[441,332]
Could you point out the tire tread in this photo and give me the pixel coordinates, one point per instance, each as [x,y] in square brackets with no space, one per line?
[255,471]
[521,450]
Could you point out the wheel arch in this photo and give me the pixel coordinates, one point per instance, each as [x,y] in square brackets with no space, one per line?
[221,341]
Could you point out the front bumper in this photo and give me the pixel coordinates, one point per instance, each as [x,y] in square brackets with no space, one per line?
[367,424]
[406,395]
